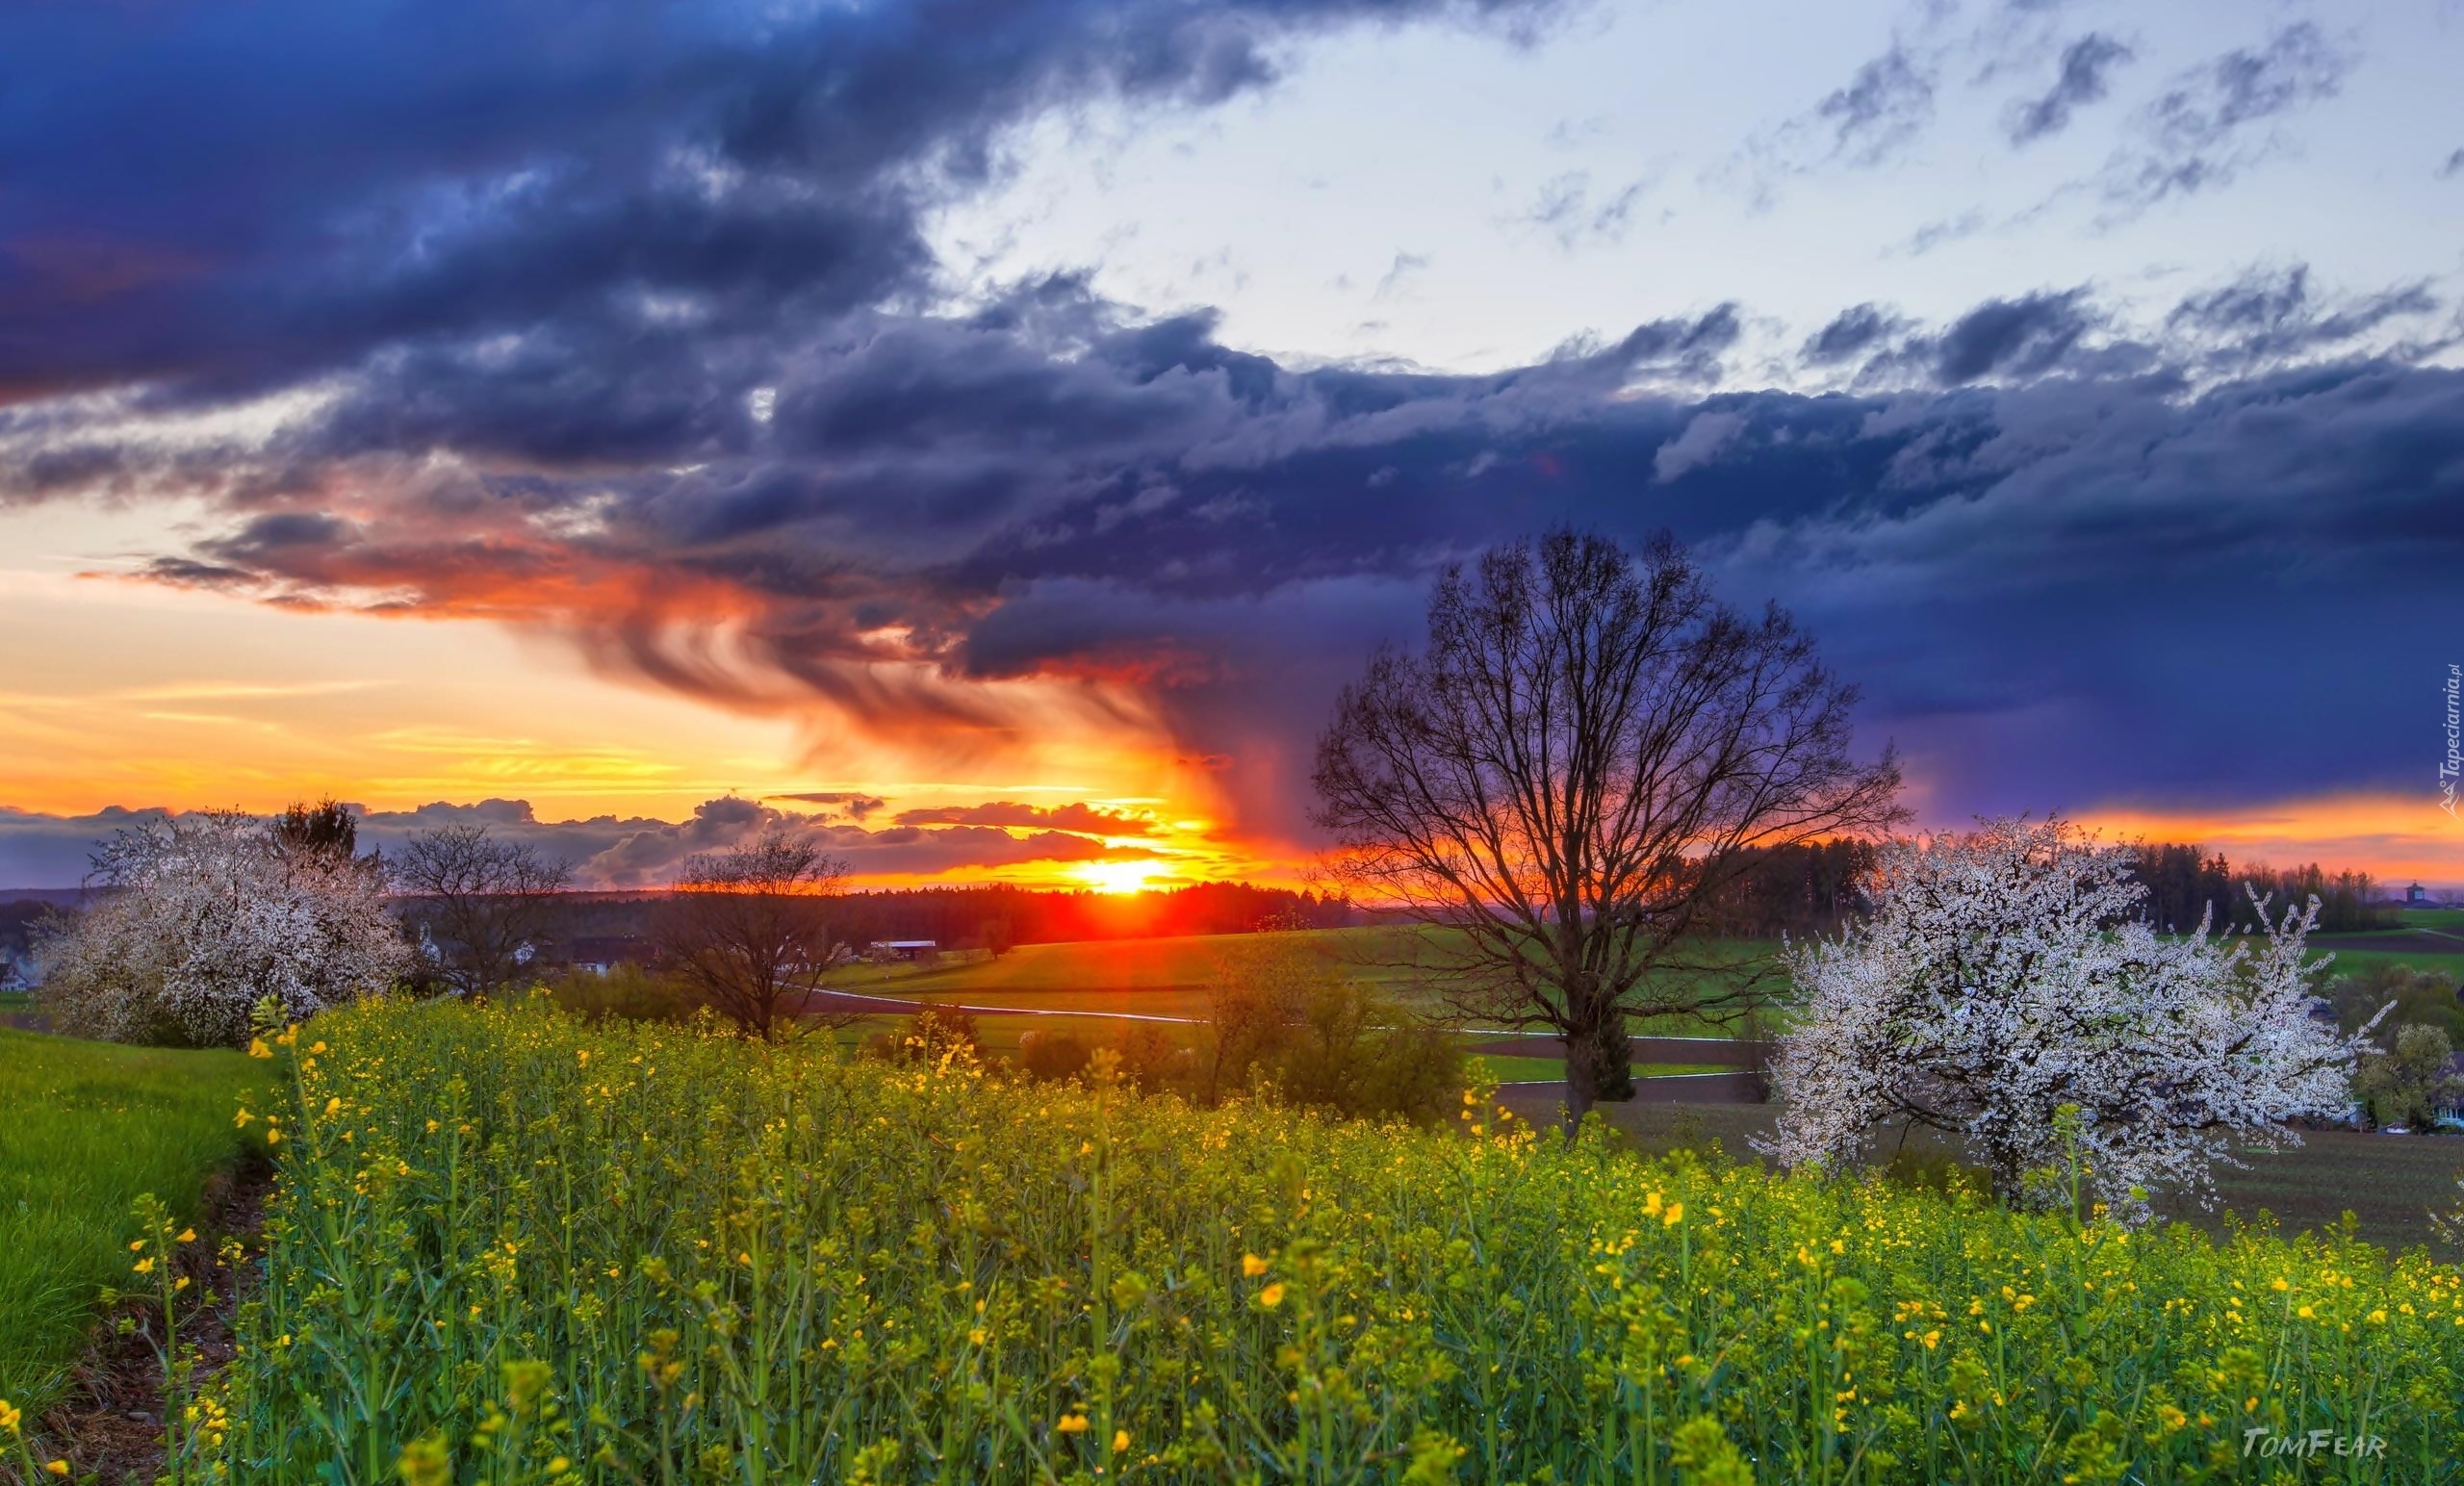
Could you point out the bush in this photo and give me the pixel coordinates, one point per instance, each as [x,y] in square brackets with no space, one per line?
[210,913]
[1055,1057]
[665,1257]
[2410,1083]
[1283,1022]
[2421,998]
[627,992]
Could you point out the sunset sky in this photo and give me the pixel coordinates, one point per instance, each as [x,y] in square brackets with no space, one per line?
[989,433]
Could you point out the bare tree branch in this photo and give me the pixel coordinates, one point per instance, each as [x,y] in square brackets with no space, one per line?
[478,901]
[750,929]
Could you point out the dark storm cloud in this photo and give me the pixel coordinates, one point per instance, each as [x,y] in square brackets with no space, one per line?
[2277,315]
[2014,338]
[2209,123]
[222,198]
[2085,77]
[1853,333]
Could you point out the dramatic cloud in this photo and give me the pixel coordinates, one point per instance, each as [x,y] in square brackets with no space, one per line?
[1855,332]
[253,197]
[2014,338]
[2274,317]
[631,852]
[636,344]
[2087,68]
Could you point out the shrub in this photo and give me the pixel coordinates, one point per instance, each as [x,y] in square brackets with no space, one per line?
[1054,1057]
[2418,998]
[657,1256]
[2411,1083]
[1284,1022]
[627,992]
[208,914]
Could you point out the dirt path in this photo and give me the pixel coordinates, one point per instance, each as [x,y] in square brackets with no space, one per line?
[109,1427]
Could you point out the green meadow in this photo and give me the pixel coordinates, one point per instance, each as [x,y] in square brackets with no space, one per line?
[87,1128]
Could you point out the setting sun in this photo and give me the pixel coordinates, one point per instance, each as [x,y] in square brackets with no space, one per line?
[1116,876]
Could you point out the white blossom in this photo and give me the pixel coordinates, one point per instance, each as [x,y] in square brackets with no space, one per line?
[208,914]
[2006,974]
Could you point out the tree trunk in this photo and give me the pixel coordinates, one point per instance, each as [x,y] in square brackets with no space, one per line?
[1599,1065]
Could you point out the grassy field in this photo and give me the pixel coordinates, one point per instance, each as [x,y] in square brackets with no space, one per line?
[1168,977]
[510,1248]
[999,1037]
[84,1127]
[2389,1183]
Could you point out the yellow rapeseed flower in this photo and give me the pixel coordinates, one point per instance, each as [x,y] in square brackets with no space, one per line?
[1675,1214]
[1252,1266]
[1120,1440]
[1072,1424]
[9,1416]
[1272,1297]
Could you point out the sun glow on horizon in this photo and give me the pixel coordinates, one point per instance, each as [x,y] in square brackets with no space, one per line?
[1117,876]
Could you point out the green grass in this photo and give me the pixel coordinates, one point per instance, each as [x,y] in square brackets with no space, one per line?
[1168,977]
[2389,1183]
[84,1127]
[632,1254]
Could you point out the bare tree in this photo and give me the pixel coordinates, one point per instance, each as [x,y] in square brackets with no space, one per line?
[479,904]
[1571,776]
[750,928]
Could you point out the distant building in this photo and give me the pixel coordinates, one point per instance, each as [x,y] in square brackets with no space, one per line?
[902,951]
[2416,897]
[597,955]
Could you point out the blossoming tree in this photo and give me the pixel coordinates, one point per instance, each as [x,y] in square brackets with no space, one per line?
[2006,992]
[209,912]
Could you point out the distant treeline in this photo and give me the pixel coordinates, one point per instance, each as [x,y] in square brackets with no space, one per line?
[994,916]
[1800,890]
[2183,884]
[1795,890]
